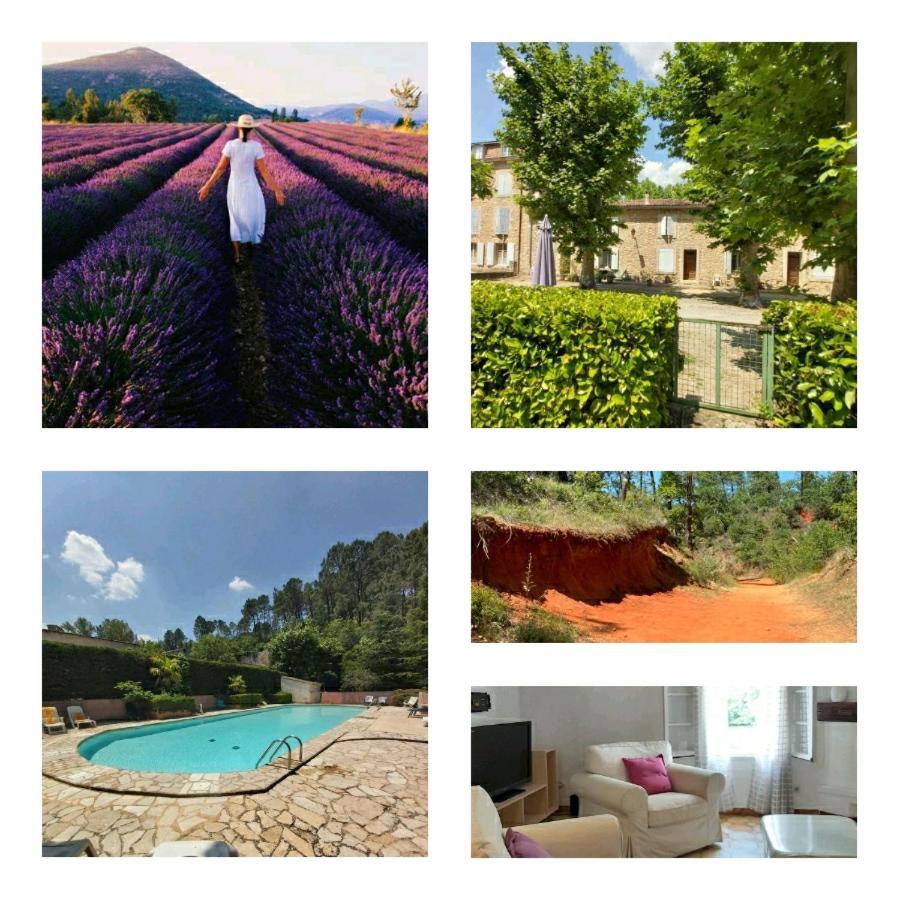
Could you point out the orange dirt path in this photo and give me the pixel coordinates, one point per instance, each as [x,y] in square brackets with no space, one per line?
[751,611]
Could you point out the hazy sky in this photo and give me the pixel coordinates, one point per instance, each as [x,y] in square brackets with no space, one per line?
[286,74]
[159,548]
[639,61]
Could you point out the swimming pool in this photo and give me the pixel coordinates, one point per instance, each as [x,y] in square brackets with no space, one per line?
[229,742]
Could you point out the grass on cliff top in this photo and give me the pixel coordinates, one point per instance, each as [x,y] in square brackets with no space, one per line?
[523,498]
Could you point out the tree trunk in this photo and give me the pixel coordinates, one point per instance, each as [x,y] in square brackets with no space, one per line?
[586,277]
[844,285]
[749,277]
[689,502]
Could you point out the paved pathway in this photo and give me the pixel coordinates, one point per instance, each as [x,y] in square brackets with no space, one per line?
[364,795]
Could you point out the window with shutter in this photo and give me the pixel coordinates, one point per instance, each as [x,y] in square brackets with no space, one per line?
[614,259]
[501,220]
[478,152]
[665,263]
[479,258]
[727,256]
[476,219]
[511,253]
[503,184]
[490,254]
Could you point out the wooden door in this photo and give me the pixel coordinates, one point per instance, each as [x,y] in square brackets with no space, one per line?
[689,270]
[793,268]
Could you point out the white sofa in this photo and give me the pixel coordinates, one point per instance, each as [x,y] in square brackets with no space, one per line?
[593,836]
[668,824]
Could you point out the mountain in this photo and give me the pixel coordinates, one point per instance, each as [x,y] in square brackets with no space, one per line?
[380,112]
[111,74]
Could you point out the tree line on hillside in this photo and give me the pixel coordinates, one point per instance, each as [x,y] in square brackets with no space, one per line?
[769,130]
[728,521]
[361,624]
[139,105]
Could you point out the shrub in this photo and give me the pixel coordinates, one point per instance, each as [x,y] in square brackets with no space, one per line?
[172,703]
[542,627]
[807,553]
[489,613]
[236,684]
[244,699]
[281,697]
[401,696]
[207,677]
[707,570]
[815,363]
[556,357]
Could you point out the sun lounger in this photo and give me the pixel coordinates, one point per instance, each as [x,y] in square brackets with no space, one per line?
[382,701]
[411,705]
[52,720]
[369,700]
[68,848]
[78,718]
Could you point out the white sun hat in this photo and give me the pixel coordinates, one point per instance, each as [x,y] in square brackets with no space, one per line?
[244,121]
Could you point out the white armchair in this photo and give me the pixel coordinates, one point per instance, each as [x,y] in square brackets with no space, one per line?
[593,836]
[669,824]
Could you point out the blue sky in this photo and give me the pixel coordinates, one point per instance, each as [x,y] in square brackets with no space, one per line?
[282,73]
[639,61]
[159,548]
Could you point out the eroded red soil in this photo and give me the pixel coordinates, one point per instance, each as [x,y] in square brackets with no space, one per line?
[751,611]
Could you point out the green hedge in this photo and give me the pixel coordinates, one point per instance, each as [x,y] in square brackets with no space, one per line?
[564,357]
[281,697]
[205,677]
[172,702]
[248,699]
[76,670]
[90,673]
[815,363]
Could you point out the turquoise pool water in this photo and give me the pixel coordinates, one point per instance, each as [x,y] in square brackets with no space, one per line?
[230,742]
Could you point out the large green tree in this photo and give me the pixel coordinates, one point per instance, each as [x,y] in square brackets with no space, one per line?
[482,179]
[576,127]
[770,132]
[147,105]
[116,630]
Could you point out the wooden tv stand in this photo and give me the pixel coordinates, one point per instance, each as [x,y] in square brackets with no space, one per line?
[536,800]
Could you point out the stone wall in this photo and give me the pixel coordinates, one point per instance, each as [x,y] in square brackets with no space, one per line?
[302,691]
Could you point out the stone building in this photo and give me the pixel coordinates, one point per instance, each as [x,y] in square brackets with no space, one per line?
[658,241]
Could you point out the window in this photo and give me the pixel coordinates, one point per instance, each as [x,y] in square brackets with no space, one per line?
[732,261]
[474,253]
[802,713]
[476,219]
[478,151]
[504,151]
[501,220]
[743,719]
[665,263]
[503,184]
[667,226]
[500,254]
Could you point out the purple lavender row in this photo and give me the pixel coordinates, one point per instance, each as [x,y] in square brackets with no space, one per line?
[136,328]
[412,145]
[346,312]
[72,214]
[398,202]
[390,160]
[79,168]
[99,140]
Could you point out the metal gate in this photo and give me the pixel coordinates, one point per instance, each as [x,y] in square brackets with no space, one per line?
[726,366]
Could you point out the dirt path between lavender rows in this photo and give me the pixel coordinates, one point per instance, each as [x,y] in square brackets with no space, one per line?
[751,611]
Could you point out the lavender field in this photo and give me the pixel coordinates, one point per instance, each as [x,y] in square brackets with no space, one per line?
[146,322]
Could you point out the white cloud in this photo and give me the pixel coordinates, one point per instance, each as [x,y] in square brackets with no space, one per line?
[648,56]
[664,174]
[46,556]
[144,637]
[502,69]
[94,566]
[86,552]
[239,584]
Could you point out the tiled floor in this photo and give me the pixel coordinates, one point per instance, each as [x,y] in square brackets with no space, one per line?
[365,795]
[741,839]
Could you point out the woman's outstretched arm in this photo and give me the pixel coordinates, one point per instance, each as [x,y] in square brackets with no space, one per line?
[270,181]
[218,172]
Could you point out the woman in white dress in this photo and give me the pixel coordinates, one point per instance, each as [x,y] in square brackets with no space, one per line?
[246,206]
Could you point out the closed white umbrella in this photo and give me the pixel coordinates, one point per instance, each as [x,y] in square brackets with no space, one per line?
[544,271]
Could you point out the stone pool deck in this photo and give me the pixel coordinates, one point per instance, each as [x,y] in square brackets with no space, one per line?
[362,792]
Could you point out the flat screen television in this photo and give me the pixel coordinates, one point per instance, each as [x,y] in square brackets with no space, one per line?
[501,757]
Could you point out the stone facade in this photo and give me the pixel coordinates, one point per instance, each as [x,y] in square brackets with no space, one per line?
[658,241]
[302,691]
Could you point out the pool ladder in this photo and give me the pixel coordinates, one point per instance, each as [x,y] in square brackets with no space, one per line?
[275,745]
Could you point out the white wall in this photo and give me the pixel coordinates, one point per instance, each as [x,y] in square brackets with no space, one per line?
[828,781]
[572,718]
[505,705]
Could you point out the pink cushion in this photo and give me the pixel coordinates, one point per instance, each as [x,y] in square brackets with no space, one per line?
[521,846]
[649,772]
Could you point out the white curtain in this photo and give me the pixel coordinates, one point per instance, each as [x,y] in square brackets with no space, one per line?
[771,785]
[713,751]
